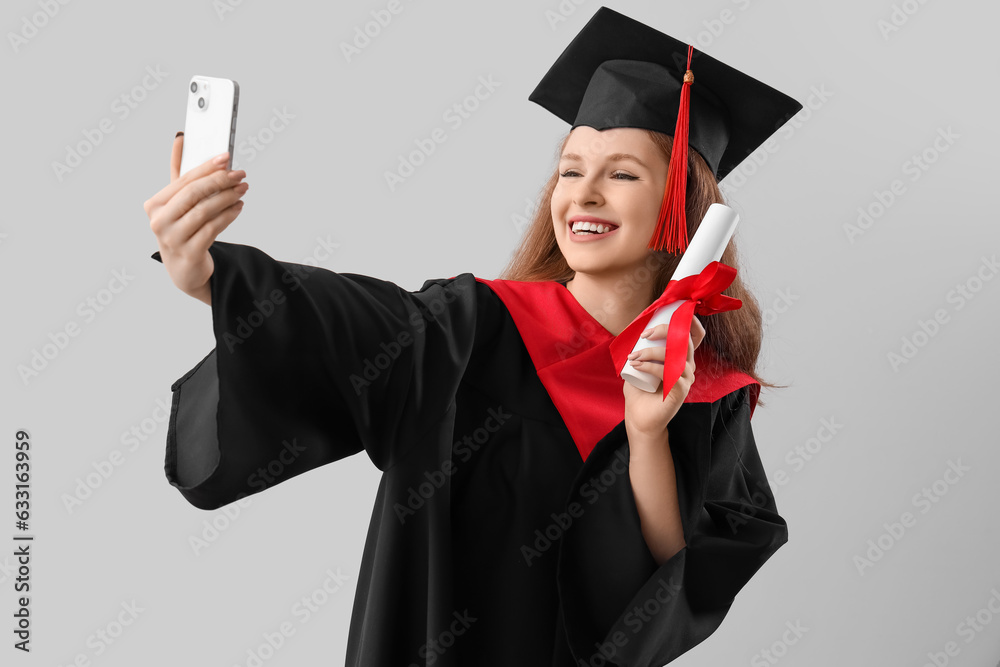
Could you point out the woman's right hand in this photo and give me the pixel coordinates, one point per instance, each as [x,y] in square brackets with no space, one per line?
[189,213]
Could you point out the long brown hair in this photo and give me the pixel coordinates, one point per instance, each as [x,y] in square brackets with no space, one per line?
[735,336]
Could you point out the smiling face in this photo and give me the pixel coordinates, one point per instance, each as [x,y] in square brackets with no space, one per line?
[614,178]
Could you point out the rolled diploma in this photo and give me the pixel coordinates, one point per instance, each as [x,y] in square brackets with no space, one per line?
[706,246]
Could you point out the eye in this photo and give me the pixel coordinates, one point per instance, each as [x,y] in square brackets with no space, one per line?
[618,175]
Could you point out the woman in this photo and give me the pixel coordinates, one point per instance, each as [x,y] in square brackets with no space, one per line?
[533,508]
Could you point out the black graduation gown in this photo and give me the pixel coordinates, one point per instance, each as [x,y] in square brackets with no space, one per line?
[492,541]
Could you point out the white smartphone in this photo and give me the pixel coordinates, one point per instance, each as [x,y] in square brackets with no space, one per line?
[210,124]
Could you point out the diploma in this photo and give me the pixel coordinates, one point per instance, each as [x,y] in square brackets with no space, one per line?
[706,246]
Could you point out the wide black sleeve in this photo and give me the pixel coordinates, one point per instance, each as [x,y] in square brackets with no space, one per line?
[311,366]
[615,599]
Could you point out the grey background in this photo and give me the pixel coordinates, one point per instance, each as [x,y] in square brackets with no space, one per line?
[836,309]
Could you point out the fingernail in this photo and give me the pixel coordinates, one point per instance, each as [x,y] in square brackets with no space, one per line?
[178,134]
[221,159]
[645,333]
[633,355]
[635,362]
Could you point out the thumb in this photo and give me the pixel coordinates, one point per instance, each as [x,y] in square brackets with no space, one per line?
[175,156]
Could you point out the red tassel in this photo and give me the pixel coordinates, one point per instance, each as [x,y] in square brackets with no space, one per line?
[671,223]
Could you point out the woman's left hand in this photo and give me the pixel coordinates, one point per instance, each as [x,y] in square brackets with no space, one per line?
[648,413]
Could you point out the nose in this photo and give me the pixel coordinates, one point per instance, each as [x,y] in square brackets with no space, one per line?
[587,190]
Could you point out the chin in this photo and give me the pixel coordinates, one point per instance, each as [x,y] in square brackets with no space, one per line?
[591,267]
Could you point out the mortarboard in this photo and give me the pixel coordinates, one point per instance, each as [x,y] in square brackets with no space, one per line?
[618,72]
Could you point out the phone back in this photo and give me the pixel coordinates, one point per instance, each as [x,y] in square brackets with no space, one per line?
[210,123]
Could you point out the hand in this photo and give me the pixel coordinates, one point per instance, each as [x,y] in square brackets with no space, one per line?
[188,214]
[648,413]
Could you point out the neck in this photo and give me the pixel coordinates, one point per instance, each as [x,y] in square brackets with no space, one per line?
[613,308]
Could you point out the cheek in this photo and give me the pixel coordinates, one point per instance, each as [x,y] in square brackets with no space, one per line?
[651,210]
[642,214]
[557,206]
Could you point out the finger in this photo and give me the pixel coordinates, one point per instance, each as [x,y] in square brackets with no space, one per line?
[697,331]
[189,193]
[205,199]
[166,194]
[648,359]
[175,157]
[658,331]
[687,373]
[205,235]
[647,366]
[655,353]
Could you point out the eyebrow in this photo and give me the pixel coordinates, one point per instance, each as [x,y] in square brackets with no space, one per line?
[614,157]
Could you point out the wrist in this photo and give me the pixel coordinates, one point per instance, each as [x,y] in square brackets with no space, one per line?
[203,294]
[642,439]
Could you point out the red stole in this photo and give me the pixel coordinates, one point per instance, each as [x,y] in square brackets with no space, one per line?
[570,351]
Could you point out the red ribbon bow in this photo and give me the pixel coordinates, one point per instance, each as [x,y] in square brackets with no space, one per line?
[700,294]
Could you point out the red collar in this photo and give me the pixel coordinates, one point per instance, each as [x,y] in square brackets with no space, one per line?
[569,349]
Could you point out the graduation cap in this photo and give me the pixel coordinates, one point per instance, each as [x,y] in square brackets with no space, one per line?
[618,72]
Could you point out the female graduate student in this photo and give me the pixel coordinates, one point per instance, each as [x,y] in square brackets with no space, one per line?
[534,509]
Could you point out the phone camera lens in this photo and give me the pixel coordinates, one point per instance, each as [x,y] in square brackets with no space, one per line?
[194,86]
[201,102]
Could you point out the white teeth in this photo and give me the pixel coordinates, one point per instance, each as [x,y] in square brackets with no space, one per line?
[590,226]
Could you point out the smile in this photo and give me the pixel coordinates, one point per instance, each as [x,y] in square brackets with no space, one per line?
[590,230]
